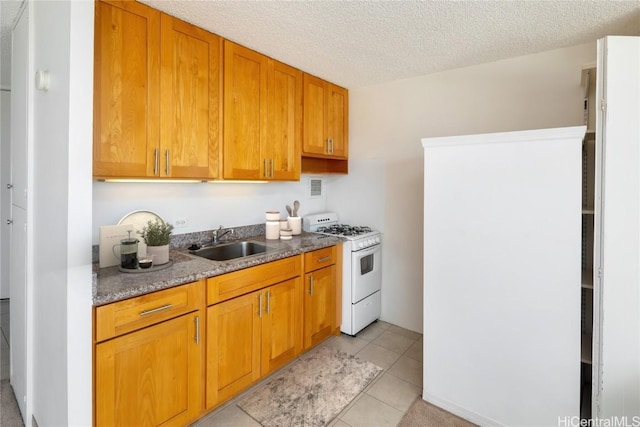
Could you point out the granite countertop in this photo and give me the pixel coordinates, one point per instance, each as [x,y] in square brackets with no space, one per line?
[110,284]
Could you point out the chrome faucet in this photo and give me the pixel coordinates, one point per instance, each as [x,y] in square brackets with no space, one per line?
[217,235]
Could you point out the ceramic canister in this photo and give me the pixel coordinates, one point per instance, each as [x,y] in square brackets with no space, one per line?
[272,230]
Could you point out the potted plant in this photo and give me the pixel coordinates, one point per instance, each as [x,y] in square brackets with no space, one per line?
[157,235]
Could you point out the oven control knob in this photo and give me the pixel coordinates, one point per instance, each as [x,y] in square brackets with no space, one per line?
[361,245]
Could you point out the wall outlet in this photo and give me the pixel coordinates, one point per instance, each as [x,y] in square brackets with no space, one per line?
[180,223]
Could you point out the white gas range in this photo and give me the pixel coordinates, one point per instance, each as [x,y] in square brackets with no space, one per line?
[361,270]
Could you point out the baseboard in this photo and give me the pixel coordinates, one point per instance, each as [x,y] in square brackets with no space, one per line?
[460,411]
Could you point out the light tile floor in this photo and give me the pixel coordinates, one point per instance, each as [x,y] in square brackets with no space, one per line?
[383,402]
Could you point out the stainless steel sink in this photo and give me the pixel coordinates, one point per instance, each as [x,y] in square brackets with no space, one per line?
[232,250]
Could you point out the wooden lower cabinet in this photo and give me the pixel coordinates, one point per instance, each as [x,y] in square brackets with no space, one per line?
[251,335]
[281,325]
[319,305]
[150,377]
[167,357]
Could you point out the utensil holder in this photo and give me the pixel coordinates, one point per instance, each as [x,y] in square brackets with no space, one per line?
[295,224]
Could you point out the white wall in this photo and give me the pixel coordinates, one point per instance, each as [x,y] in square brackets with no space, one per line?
[387,122]
[62,227]
[205,206]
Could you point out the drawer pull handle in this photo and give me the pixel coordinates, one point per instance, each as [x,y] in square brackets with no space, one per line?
[259,305]
[311,285]
[268,302]
[156,162]
[324,259]
[155,310]
[197,336]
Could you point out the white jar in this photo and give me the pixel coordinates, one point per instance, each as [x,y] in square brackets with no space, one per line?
[272,229]
[272,215]
[295,224]
[284,224]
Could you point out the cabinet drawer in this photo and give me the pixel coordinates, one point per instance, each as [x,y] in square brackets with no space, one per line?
[134,313]
[231,285]
[319,258]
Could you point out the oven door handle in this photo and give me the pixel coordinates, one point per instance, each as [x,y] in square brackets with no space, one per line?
[367,251]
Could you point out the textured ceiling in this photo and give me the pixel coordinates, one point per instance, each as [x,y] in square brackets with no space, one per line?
[358,43]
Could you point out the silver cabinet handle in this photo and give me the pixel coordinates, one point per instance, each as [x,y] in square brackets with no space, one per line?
[260,305]
[264,165]
[330,145]
[327,146]
[268,302]
[155,310]
[311,285]
[9,221]
[166,158]
[9,186]
[271,168]
[156,162]
[197,335]
[324,259]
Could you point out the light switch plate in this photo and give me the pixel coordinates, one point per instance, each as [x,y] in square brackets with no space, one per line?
[110,236]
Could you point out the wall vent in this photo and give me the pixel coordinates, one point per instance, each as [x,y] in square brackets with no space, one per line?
[315,187]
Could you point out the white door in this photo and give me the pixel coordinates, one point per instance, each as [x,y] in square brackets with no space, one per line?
[616,358]
[5,195]
[17,278]
[18,263]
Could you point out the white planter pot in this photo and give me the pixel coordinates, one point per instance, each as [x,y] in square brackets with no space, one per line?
[160,254]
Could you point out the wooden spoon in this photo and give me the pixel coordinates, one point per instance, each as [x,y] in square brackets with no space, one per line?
[289,210]
[296,206]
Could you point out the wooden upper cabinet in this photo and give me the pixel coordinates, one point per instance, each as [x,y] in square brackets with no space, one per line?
[262,116]
[325,119]
[157,95]
[190,99]
[284,121]
[126,89]
[245,108]
[337,120]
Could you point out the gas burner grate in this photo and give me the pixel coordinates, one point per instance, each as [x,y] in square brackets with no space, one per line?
[344,230]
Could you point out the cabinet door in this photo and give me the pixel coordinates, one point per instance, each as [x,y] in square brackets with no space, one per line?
[233,347]
[150,377]
[284,122]
[245,112]
[314,139]
[126,88]
[281,324]
[337,120]
[190,101]
[319,305]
